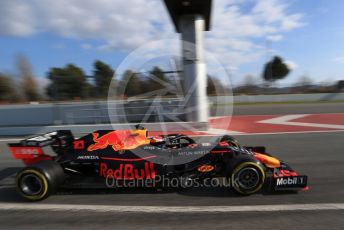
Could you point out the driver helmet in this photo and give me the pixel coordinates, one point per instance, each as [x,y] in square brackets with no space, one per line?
[157,139]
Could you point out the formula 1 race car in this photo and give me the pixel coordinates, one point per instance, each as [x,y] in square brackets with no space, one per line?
[131,155]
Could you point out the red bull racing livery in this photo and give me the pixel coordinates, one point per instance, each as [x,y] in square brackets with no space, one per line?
[119,156]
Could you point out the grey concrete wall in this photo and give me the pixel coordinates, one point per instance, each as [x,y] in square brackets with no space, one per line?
[87,113]
[280,98]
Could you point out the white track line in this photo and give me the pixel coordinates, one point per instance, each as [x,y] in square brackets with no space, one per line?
[213,131]
[234,133]
[170,209]
[11,139]
[295,132]
[286,120]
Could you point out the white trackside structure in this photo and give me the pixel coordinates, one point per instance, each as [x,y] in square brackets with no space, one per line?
[191,18]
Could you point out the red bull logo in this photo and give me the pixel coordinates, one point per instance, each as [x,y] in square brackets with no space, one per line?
[119,139]
[128,171]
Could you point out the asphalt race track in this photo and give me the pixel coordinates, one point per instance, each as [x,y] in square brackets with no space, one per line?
[318,155]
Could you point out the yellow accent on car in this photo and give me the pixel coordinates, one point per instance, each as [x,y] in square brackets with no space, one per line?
[205,168]
[241,166]
[42,177]
[270,162]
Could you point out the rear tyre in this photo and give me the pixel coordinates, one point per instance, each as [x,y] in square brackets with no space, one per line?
[39,181]
[247,178]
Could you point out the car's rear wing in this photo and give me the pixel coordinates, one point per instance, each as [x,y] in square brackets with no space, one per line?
[48,138]
[30,149]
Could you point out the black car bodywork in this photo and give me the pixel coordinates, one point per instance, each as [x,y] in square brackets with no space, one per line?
[131,155]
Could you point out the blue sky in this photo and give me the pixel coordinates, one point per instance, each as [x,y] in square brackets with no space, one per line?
[308,34]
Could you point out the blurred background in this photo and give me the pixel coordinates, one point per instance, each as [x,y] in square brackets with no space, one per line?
[64,55]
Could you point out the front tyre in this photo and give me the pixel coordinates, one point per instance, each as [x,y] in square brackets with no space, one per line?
[247,178]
